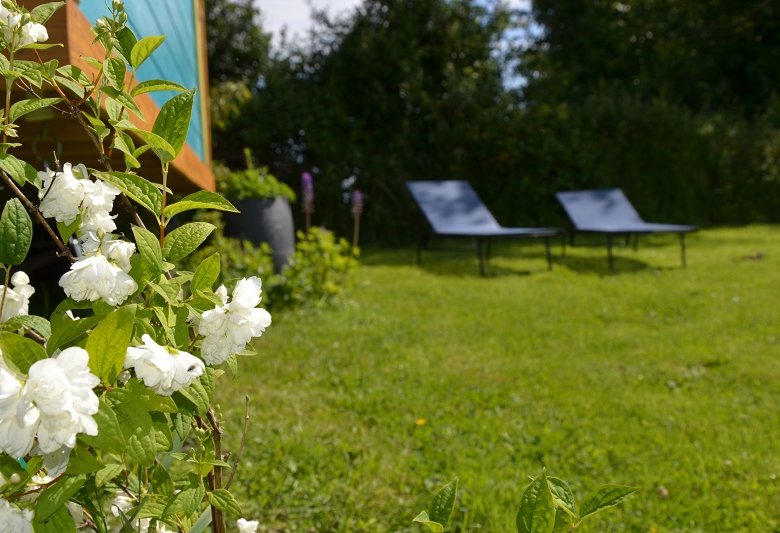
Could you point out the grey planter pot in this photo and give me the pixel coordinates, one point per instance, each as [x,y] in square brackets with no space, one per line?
[264,220]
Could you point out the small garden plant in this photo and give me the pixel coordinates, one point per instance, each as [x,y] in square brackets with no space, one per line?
[547,505]
[252,182]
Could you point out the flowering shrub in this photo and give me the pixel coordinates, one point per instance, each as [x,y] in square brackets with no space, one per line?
[105,407]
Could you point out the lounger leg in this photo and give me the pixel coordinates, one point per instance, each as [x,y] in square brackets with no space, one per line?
[481,256]
[682,249]
[609,252]
[548,253]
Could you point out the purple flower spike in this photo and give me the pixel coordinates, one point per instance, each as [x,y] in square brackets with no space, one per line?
[357,202]
[307,190]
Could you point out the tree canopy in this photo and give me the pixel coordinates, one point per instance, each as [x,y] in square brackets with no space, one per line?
[674,101]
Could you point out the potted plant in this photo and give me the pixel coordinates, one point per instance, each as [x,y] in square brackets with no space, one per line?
[264,205]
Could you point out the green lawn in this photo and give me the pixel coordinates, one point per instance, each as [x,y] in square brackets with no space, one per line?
[656,376]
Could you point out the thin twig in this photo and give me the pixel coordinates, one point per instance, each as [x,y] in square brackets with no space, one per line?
[243,442]
[215,477]
[33,210]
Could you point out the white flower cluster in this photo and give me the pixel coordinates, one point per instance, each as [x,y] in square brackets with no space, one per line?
[17,300]
[247,526]
[229,327]
[165,370]
[14,520]
[54,404]
[11,28]
[103,274]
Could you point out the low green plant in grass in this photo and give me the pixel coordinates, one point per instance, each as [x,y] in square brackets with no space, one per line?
[547,505]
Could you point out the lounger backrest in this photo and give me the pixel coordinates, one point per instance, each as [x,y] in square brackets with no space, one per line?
[451,205]
[598,207]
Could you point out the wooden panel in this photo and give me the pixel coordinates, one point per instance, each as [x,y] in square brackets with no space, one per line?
[70,27]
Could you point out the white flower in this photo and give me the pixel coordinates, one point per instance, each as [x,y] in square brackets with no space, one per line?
[8,22]
[18,419]
[33,32]
[96,222]
[95,278]
[17,299]
[247,526]
[13,519]
[164,370]
[61,389]
[61,194]
[229,327]
[97,205]
[116,251]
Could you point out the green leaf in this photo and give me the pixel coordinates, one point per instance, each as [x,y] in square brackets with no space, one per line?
[185,502]
[107,473]
[423,518]
[224,501]
[199,393]
[108,342]
[114,70]
[149,86]
[121,144]
[65,330]
[19,170]
[82,462]
[31,71]
[185,239]
[15,233]
[161,148]
[136,188]
[124,99]
[443,501]
[146,397]
[36,323]
[58,522]
[138,430]
[563,521]
[22,107]
[43,12]
[56,496]
[151,254]
[110,437]
[174,120]
[125,41]
[20,352]
[204,521]
[199,200]
[70,84]
[562,495]
[605,497]
[66,231]
[537,512]
[206,273]
[144,48]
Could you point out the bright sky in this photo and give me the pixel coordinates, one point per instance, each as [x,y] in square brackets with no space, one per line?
[295,13]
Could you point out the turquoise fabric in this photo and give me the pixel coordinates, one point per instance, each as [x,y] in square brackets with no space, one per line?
[176,59]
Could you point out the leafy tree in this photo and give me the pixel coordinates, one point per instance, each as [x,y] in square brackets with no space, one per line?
[238,48]
[399,89]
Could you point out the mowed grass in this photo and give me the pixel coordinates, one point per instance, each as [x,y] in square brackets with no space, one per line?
[655,376]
